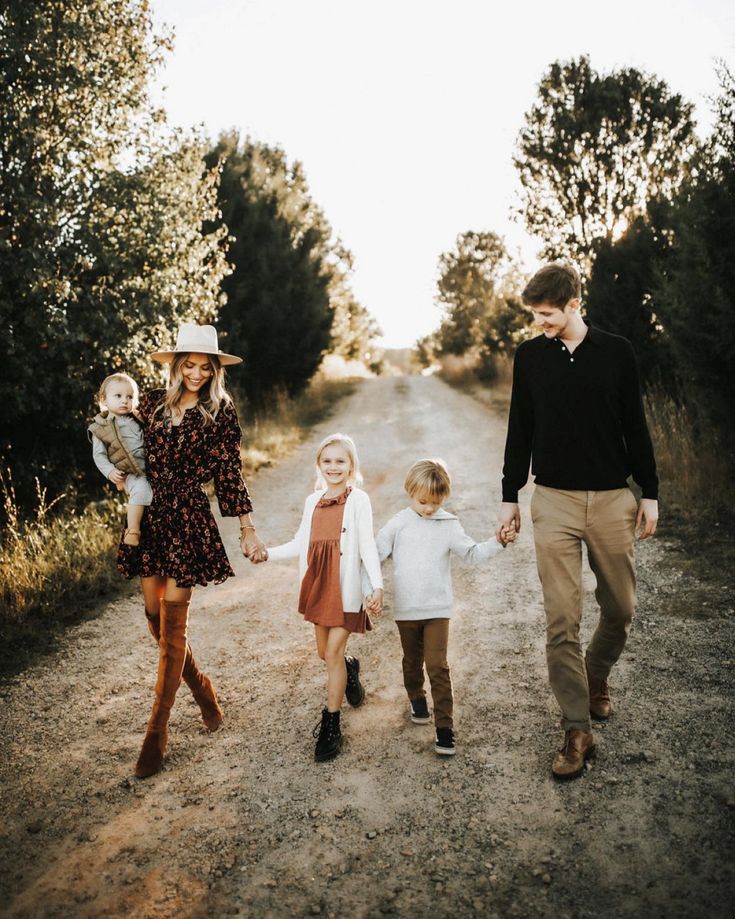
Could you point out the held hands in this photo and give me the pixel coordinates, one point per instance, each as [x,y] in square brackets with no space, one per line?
[509,523]
[373,603]
[508,534]
[252,547]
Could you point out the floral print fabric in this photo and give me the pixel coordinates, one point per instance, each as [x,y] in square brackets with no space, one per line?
[179,535]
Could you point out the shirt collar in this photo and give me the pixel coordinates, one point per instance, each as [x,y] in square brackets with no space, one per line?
[593,336]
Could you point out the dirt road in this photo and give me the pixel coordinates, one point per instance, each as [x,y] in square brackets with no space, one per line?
[244,822]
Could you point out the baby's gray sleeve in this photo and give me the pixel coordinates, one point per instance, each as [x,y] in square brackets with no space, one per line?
[100,457]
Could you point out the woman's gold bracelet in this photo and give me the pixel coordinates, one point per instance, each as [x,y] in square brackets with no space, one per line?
[247,526]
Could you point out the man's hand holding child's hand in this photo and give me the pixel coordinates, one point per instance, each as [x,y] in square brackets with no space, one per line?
[508,533]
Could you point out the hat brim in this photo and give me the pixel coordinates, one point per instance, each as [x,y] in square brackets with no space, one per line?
[166,357]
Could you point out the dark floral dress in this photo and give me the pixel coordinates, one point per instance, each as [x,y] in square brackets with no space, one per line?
[179,535]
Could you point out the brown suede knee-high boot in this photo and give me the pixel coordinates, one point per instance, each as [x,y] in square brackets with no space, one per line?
[200,685]
[171,655]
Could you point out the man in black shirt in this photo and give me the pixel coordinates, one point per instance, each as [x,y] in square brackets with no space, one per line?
[576,415]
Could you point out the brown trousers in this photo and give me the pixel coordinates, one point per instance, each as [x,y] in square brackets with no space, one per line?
[605,522]
[424,641]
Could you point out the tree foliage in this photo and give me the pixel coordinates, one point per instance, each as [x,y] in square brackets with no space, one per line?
[478,288]
[621,294]
[288,297]
[696,294]
[99,261]
[594,150]
[354,329]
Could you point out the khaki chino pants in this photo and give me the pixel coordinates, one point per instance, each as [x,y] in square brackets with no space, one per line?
[605,522]
[424,641]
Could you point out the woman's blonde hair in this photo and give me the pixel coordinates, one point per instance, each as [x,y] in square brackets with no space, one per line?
[212,396]
[348,444]
[429,478]
[118,378]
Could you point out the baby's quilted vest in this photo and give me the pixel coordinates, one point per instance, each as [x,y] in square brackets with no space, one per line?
[105,428]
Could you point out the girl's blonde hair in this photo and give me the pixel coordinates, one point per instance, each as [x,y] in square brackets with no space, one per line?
[348,444]
[212,396]
[118,378]
[429,478]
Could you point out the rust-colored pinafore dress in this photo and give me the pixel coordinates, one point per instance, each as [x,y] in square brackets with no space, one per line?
[320,600]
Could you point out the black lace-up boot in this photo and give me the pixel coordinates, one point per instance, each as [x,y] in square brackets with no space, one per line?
[355,692]
[328,736]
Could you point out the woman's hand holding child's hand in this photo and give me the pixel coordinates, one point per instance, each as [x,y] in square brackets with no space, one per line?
[253,548]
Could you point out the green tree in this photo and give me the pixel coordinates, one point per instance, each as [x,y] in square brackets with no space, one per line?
[354,329]
[696,294]
[99,260]
[622,292]
[289,280]
[478,288]
[594,150]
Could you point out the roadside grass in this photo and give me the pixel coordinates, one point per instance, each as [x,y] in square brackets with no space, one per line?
[461,372]
[58,562]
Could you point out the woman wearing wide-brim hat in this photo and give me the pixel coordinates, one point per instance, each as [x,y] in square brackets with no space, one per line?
[192,436]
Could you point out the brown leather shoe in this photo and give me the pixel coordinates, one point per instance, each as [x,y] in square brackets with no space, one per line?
[600,704]
[569,761]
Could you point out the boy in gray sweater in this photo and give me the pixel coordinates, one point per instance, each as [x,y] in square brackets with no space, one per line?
[421,539]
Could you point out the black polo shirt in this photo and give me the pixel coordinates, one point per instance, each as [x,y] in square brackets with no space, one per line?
[578,417]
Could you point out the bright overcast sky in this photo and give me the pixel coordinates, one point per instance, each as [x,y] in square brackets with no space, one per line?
[405,113]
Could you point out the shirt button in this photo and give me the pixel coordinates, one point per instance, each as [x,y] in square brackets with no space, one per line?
[571,360]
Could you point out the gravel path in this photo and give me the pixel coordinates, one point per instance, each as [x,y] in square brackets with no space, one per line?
[244,822]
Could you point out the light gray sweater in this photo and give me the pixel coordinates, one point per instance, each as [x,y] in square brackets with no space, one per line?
[421,549]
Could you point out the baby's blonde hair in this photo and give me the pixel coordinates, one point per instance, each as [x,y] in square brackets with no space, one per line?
[118,378]
[355,476]
[429,478]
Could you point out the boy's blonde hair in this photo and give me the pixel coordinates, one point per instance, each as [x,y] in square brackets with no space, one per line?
[429,478]
[118,378]
[348,444]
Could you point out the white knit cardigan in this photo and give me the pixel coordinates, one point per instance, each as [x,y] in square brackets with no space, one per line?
[357,546]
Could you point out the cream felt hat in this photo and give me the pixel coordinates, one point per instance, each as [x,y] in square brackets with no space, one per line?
[196,339]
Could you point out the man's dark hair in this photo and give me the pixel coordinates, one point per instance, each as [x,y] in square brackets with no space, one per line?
[557,284]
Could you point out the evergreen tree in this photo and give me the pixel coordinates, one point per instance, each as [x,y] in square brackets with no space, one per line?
[278,313]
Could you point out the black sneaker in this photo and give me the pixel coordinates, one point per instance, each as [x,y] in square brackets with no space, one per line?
[445,742]
[329,739]
[420,711]
[355,692]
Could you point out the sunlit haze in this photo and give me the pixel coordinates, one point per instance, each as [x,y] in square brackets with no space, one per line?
[405,113]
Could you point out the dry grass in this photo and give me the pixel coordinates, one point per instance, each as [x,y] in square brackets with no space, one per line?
[462,373]
[51,562]
[276,433]
[694,471]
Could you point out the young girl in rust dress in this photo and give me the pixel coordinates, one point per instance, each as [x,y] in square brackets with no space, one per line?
[192,435]
[333,542]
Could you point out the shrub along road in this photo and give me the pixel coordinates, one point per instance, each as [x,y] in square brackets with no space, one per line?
[244,821]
